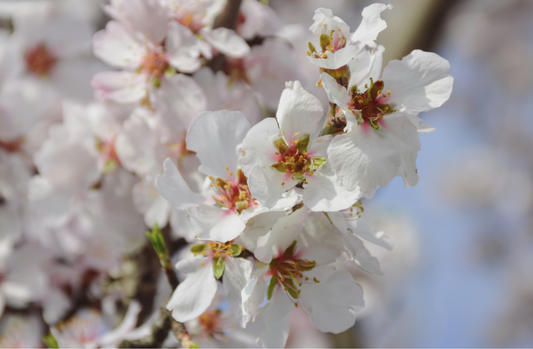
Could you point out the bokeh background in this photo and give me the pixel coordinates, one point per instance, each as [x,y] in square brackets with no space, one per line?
[461,274]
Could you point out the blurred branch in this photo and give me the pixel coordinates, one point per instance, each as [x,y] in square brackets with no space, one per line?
[227,19]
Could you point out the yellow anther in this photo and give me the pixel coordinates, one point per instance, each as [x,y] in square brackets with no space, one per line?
[297,133]
[231,173]
[227,169]
[282,183]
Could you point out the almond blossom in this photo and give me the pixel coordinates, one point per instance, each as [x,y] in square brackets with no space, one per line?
[290,158]
[382,110]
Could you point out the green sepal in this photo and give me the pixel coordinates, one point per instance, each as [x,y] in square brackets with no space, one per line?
[298,176]
[170,72]
[156,82]
[281,145]
[241,205]
[317,163]
[50,341]
[303,142]
[235,250]
[199,248]
[281,167]
[289,252]
[110,166]
[290,287]
[324,42]
[306,265]
[158,241]
[271,287]
[312,48]
[219,263]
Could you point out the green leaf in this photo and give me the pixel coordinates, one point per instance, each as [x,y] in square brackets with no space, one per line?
[235,250]
[271,287]
[289,252]
[199,248]
[50,341]
[158,241]
[218,266]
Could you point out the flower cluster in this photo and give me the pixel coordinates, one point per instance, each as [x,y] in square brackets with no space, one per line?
[175,137]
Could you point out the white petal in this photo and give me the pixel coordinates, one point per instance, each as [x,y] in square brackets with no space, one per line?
[281,236]
[325,192]
[194,295]
[258,146]
[237,275]
[337,59]
[151,204]
[344,222]
[129,322]
[121,87]
[362,257]
[371,25]
[336,93]
[405,136]
[419,82]
[258,226]
[298,111]
[215,224]
[214,136]
[324,22]
[276,316]
[270,187]
[333,302]
[117,47]
[181,225]
[366,65]
[182,48]
[146,16]
[364,157]
[226,41]
[173,187]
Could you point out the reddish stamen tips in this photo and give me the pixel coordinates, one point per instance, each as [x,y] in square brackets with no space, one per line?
[154,63]
[39,60]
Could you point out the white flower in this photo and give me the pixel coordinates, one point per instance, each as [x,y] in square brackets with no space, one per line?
[145,63]
[338,45]
[280,159]
[221,211]
[194,295]
[297,273]
[381,141]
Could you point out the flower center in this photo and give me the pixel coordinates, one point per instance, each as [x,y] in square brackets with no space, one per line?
[332,43]
[294,159]
[13,146]
[233,195]
[154,65]
[371,103]
[287,271]
[109,153]
[212,323]
[39,60]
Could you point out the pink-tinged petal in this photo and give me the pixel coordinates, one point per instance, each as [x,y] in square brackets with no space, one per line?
[118,47]
[364,157]
[419,82]
[298,111]
[405,136]
[371,25]
[226,41]
[121,87]
[215,224]
[275,317]
[215,137]
[145,16]
[173,187]
[258,146]
[333,302]
[270,186]
[182,48]
[194,295]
